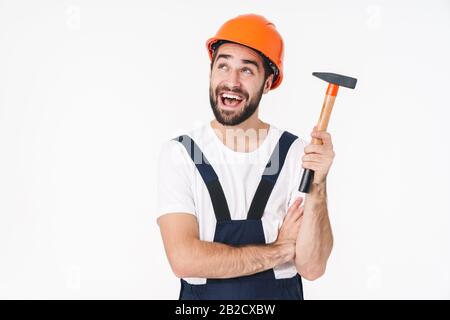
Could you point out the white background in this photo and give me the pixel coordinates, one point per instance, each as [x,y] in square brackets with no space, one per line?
[89,90]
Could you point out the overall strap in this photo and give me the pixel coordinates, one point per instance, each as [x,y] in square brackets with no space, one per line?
[209,176]
[270,175]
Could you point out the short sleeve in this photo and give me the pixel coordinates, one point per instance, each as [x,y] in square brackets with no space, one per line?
[297,150]
[175,180]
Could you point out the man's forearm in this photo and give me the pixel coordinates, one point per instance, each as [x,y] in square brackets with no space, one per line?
[315,239]
[205,259]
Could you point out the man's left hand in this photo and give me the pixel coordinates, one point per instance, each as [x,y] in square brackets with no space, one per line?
[319,157]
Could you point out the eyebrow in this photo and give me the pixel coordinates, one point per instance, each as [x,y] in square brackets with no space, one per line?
[245,61]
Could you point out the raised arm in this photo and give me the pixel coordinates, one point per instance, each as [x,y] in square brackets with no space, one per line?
[315,238]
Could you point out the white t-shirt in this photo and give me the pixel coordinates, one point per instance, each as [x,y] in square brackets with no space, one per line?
[182,189]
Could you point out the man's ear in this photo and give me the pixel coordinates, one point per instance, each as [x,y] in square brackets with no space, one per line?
[268,83]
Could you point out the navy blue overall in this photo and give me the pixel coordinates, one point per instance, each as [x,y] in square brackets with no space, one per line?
[262,285]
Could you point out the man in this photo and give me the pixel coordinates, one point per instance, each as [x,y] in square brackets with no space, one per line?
[227,187]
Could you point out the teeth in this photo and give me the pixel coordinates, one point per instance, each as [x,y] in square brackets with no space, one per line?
[230,96]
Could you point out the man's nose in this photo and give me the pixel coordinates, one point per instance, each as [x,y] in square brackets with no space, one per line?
[233,79]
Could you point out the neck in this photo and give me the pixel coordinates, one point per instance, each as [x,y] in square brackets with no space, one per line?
[244,137]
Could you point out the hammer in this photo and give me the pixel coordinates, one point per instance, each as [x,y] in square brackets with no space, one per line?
[334,82]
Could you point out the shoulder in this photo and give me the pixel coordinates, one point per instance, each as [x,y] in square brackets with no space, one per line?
[198,134]
[174,151]
[170,148]
[299,143]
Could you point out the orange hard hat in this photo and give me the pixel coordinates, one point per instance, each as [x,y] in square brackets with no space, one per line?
[258,33]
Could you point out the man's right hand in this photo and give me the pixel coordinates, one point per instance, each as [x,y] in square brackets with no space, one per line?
[287,235]
[191,257]
[291,223]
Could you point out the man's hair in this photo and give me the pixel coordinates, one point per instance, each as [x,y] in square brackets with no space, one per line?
[269,67]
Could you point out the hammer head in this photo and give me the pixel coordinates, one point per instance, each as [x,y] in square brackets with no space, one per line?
[337,79]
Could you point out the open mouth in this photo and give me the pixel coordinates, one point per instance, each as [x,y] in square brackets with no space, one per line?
[231,100]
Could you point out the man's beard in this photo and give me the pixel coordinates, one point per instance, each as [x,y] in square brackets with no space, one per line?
[230,118]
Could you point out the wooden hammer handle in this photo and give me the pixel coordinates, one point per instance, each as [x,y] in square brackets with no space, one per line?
[325,114]
[322,124]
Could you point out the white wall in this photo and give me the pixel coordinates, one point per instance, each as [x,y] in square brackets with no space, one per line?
[89,90]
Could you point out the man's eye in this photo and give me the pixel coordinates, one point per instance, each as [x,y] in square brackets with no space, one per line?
[222,66]
[247,70]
